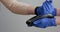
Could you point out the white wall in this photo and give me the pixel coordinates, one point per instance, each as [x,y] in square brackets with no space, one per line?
[10,22]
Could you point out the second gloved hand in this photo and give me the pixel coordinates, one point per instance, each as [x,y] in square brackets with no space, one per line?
[45,22]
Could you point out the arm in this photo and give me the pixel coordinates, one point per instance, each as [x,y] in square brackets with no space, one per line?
[21,8]
[18,7]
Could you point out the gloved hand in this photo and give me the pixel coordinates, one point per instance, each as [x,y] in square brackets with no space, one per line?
[46,8]
[45,22]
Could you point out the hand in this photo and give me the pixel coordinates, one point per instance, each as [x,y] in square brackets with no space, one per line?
[45,22]
[46,8]
[49,8]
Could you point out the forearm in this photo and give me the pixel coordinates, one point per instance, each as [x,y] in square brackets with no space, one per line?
[18,7]
[58,20]
[58,12]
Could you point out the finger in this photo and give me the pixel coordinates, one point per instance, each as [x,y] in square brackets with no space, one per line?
[50,6]
[45,6]
[50,1]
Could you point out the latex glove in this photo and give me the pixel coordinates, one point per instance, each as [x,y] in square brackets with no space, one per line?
[45,22]
[46,8]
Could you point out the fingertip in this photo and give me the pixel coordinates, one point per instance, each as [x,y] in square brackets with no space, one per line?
[50,1]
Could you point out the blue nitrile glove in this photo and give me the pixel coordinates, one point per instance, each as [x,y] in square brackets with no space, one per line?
[46,8]
[45,22]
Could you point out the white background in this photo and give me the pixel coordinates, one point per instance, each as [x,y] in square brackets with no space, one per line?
[10,22]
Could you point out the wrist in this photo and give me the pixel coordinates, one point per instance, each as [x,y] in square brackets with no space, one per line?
[52,22]
[39,10]
[58,20]
[54,12]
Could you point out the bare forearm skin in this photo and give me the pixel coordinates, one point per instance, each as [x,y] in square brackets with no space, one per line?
[19,7]
[58,12]
[58,20]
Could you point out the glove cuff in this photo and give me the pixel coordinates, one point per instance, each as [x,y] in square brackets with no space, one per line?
[53,22]
[54,12]
[39,10]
